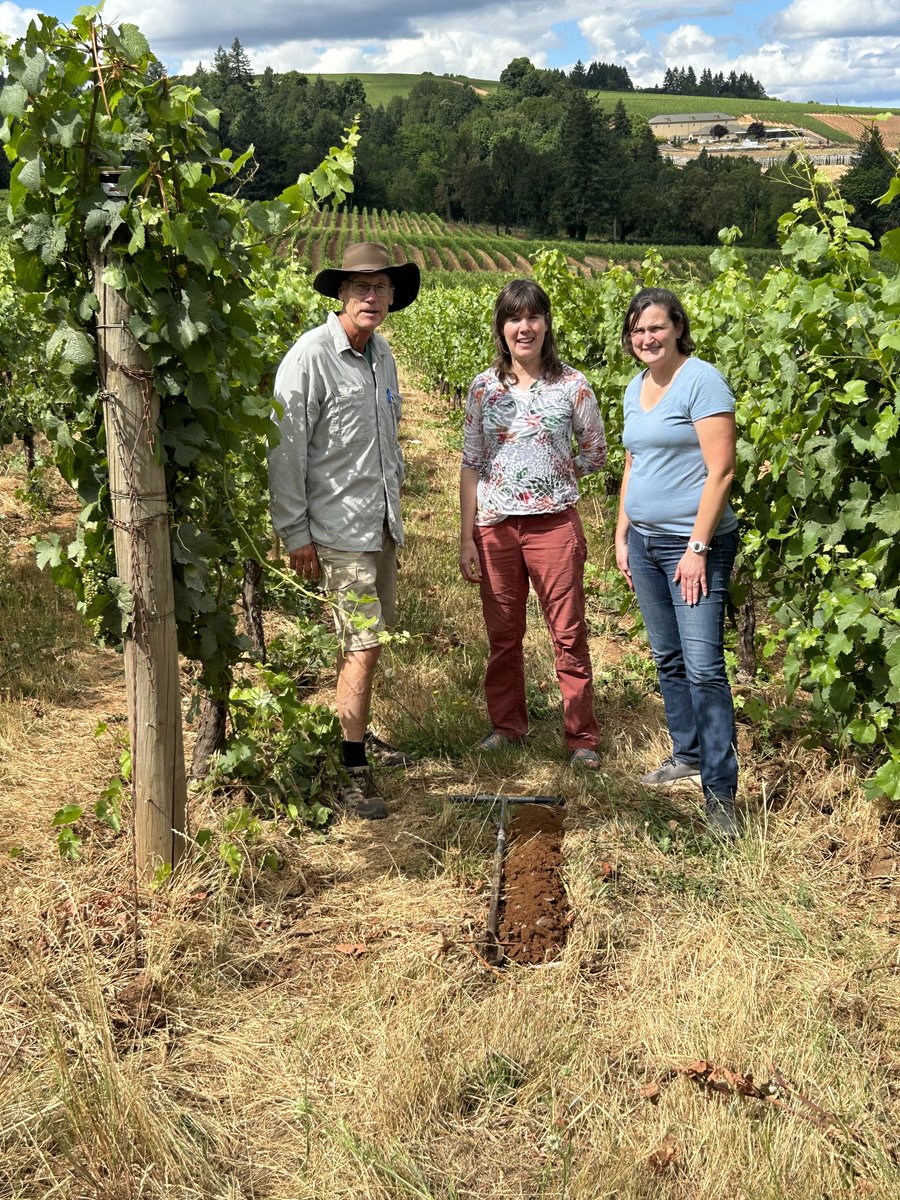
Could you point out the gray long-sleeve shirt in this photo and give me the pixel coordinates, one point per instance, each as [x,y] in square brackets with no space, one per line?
[335,475]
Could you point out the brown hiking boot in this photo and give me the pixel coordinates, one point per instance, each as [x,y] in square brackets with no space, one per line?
[387,756]
[359,795]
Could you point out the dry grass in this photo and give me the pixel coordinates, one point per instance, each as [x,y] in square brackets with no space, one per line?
[324,1031]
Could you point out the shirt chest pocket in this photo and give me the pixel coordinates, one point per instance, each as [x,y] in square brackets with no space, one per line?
[354,416]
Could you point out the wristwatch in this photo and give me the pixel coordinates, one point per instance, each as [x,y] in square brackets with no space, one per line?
[698,547]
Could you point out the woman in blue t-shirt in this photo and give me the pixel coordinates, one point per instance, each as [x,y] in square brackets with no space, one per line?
[676,540]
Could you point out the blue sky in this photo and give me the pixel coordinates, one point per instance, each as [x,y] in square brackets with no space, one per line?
[832,51]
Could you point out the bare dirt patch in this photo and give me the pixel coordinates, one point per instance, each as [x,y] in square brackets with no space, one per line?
[856,126]
[534,913]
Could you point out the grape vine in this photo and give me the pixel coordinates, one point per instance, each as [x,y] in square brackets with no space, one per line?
[812,352]
[210,307]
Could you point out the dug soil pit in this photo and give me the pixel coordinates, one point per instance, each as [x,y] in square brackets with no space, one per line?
[534,911]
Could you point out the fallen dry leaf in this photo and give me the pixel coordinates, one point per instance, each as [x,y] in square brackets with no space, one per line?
[724,1080]
[444,944]
[665,1154]
[352,949]
[700,1066]
[720,1079]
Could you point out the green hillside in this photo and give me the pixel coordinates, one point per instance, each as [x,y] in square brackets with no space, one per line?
[653,104]
[380,89]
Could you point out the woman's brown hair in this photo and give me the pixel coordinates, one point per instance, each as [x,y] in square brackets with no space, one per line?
[518,298]
[662,298]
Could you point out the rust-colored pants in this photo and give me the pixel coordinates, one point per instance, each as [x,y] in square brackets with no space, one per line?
[549,552]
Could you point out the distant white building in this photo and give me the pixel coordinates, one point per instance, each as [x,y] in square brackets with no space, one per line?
[683,125]
[698,127]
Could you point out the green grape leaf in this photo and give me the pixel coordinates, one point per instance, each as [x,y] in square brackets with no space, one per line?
[73,346]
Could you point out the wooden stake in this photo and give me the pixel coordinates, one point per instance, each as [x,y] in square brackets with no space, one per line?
[144,564]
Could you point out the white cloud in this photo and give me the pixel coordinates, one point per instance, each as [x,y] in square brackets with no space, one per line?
[802,63]
[609,33]
[614,38]
[646,52]
[474,37]
[689,44]
[14,21]
[839,18]
[175,26]
[452,51]
[846,71]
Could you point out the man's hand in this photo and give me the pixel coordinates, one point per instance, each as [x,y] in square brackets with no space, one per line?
[305,562]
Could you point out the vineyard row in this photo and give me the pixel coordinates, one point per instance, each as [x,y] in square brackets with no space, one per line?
[440,246]
[812,352]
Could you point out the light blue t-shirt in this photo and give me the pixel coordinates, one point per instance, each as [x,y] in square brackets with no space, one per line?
[667,467]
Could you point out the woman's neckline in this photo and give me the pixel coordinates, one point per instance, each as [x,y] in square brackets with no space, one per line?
[519,386]
[656,391]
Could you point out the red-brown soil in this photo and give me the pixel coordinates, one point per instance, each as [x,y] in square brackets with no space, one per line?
[534,911]
[889,128]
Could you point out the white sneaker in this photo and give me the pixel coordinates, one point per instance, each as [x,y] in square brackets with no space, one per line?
[670,772]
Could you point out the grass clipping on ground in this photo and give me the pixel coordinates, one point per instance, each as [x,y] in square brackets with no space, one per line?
[723,1022]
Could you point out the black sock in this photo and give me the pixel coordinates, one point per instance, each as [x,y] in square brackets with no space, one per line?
[353,754]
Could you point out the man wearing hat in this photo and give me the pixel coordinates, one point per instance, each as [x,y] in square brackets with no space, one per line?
[335,476]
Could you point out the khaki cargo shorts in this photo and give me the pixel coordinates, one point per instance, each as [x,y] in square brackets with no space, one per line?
[363,585]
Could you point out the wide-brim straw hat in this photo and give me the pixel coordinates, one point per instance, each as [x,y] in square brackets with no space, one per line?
[371,258]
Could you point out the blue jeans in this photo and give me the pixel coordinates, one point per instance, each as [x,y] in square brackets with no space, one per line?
[688,648]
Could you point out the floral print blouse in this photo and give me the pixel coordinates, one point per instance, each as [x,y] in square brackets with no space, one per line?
[520,443]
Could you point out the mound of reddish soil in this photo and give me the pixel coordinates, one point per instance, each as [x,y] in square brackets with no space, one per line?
[534,913]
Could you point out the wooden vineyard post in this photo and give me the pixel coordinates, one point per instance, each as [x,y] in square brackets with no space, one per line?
[144,565]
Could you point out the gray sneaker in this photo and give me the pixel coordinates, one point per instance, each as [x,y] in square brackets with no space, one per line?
[721,818]
[360,797]
[670,772]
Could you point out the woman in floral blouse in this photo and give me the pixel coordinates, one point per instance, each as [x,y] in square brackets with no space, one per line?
[518,490]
